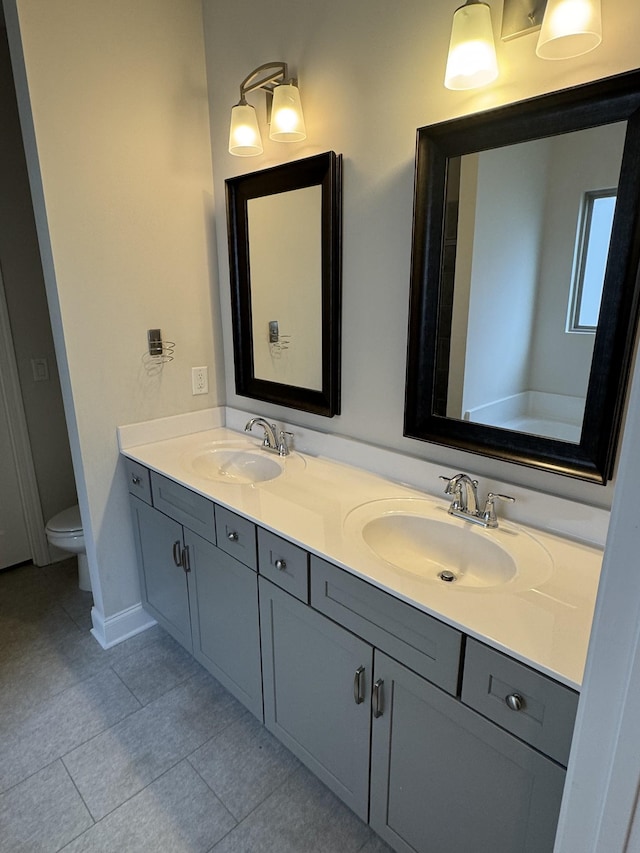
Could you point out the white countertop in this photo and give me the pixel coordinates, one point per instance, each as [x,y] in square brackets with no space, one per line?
[546,627]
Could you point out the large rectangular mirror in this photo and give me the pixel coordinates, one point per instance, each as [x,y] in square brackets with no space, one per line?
[524,294]
[285,253]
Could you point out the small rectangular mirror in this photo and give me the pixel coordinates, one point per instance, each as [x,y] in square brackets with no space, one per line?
[285,257]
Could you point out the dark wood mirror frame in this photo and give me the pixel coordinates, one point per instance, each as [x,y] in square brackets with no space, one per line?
[324,170]
[603,102]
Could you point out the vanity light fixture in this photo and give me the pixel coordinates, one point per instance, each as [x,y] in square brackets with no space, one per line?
[472,53]
[568,28]
[284,111]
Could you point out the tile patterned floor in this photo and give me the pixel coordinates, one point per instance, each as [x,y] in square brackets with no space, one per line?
[138,748]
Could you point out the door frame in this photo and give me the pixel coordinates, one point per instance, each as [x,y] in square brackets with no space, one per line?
[11,397]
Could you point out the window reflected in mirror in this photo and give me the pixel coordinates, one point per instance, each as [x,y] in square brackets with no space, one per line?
[591,253]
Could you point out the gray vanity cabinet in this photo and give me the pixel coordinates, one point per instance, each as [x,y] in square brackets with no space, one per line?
[202,595]
[443,778]
[317,686]
[164,584]
[224,614]
[442,744]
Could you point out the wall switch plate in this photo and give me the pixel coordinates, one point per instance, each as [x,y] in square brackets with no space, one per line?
[199,380]
[40,369]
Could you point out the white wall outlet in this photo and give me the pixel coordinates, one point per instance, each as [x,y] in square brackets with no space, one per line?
[199,380]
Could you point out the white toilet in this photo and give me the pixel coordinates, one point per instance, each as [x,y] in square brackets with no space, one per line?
[64,531]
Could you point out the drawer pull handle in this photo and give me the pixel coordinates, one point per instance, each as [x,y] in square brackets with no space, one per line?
[232,536]
[135,480]
[377,699]
[281,565]
[358,686]
[514,701]
[177,554]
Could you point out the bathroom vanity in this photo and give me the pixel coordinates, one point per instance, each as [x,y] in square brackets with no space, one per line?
[441,733]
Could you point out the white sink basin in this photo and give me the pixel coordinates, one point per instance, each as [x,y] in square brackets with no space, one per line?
[239,463]
[419,537]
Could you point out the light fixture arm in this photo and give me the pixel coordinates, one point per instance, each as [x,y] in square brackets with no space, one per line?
[273,73]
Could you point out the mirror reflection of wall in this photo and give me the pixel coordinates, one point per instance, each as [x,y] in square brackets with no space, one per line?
[285,258]
[514,359]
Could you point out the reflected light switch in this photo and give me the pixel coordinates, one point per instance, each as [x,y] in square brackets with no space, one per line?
[40,369]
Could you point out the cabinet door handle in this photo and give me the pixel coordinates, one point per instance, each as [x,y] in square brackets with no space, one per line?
[358,686]
[185,561]
[232,536]
[514,701]
[281,565]
[177,553]
[377,698]
[135,480]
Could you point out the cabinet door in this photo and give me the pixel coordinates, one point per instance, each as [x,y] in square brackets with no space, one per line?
[445,779]
[226,635]
[317,680]
[163,584]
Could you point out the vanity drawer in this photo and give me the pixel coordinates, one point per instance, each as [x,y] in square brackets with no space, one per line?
[190,509]
[237,536]
[541,711]
[284,564]
[421,642]
[138,480]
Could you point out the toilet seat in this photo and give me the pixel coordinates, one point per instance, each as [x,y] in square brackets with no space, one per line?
[65,531]
[66,522]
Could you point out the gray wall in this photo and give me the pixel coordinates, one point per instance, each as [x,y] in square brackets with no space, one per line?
[370,74]
[114,106]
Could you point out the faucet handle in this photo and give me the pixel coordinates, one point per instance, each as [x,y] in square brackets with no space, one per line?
[489,513]
[283,444]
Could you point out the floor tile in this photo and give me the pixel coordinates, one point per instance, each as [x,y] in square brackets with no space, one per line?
[155,669]
[37,674]
[134,644]
[375,845]
[176,813]
[302,816]
[118,763]
[61,579]
[60,724]
[28,629]
[42,813]
[243,765]
[21,586]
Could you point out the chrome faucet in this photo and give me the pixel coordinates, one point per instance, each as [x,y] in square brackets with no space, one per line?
[464,492]
[270,441]
[279,445]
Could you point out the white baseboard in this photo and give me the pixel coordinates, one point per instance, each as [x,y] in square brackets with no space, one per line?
[119,627]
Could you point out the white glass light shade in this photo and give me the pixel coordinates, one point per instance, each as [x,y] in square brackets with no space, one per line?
[472,54]
[569,28]
[244,133]
[287,120]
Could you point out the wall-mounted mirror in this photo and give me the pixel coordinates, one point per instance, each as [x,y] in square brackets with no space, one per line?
[525,289]
[285,236]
